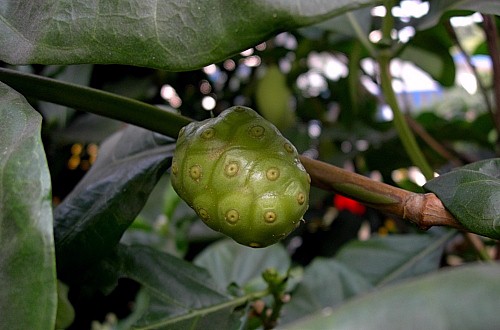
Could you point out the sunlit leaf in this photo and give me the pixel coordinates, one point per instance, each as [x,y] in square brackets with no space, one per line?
[163,34]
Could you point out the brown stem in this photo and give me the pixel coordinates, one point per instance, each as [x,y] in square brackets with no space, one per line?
[468,60]
[424,210]
[490,30]
[431,141]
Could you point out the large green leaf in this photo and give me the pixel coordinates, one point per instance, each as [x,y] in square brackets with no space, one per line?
[167,34]
[179,294]
[472,194]
[361,265]
[91,220]
[383,260]
[28,294]
[444,300]
[326,283]
[341,25]
[232,263]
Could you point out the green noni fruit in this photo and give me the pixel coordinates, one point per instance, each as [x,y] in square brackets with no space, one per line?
[241,176]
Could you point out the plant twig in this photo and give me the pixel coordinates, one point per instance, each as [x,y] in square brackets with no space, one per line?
[432,142]
[468,60]
[424,210]
[361,35]
[405,134]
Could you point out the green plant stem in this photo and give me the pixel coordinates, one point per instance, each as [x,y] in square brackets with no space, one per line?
[95,101]
[405,134]
[388,22]
[361,35]
[353,77]
[383,56]
[276,311]
[404,131]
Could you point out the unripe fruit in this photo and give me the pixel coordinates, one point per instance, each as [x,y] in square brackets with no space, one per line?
[241,176]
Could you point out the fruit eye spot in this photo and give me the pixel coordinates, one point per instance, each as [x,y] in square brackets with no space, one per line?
[195,172]
[288,147]
[208,133]
[231,169]
[301,198]
[203,214]
[257,131]
[273,174]
[232,216]
[270,216]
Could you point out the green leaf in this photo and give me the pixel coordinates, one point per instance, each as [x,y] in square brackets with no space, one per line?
[443,300]
[91,220]
[232,263]
[340,25]
[430,50]
[326,283]
[162,34]
[472,194]
[439,7]
[382,260]
[361,265]
[181,295]
[28,295]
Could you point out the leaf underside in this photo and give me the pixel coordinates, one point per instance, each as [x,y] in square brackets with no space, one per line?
[28,298]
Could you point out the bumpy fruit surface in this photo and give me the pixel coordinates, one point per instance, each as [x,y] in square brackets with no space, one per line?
[241,176]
